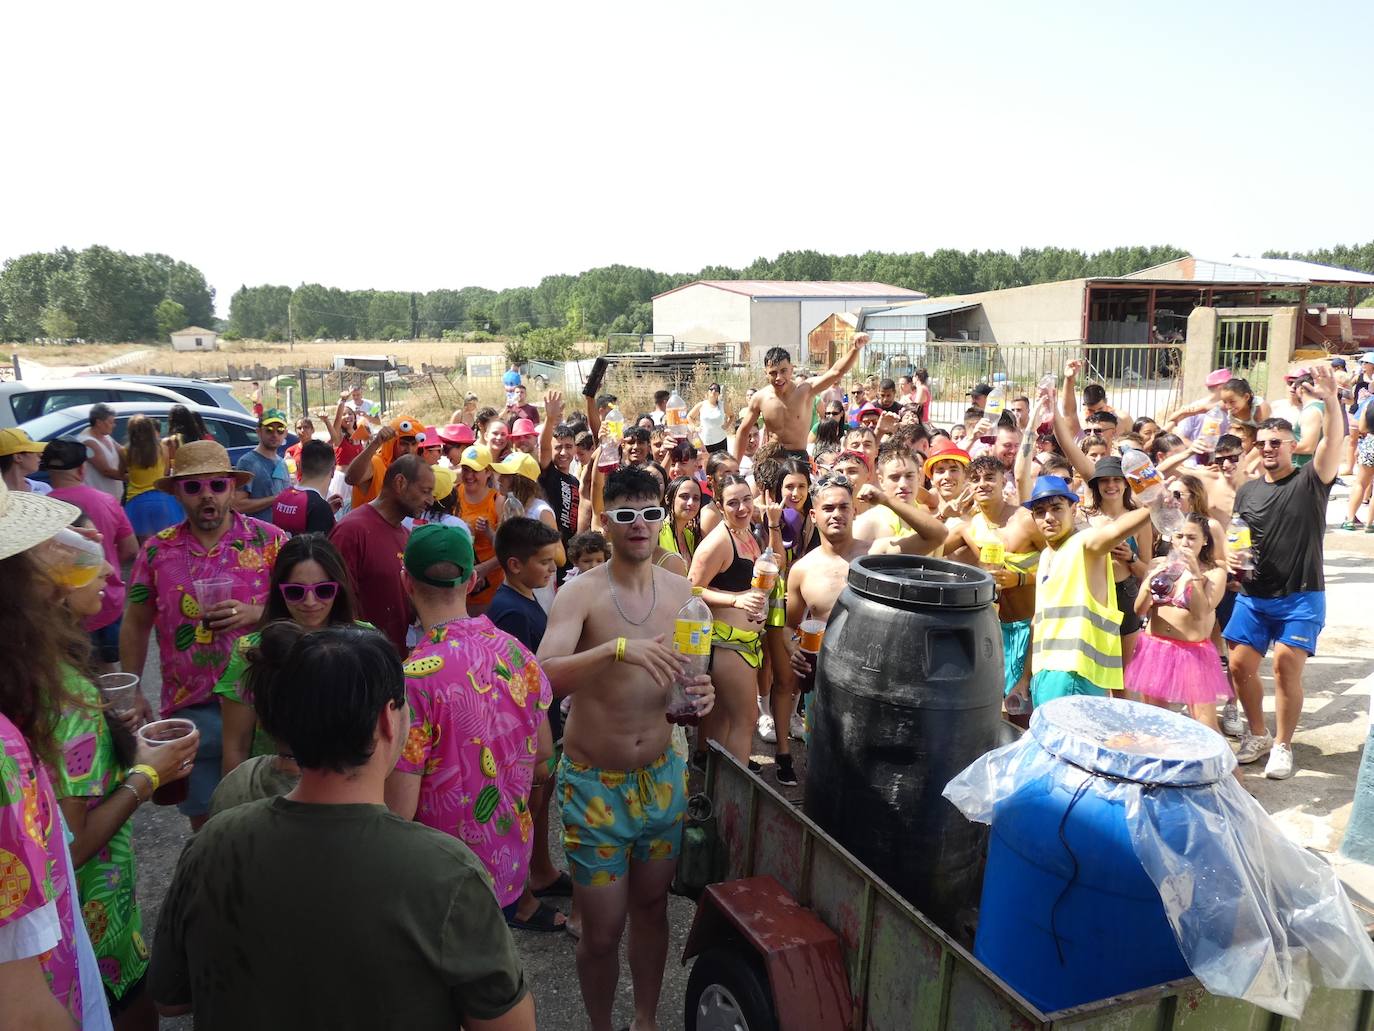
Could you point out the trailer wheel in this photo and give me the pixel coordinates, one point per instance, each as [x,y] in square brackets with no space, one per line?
[728,991]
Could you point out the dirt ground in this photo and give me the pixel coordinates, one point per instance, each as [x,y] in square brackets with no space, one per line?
[1312,808]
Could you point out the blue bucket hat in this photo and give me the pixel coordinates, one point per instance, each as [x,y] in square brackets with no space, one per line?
[1051,487]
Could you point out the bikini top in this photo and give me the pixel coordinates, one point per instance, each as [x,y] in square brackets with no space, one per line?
[738,575]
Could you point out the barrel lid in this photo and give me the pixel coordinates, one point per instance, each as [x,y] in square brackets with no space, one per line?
[920,580]
[1131,741]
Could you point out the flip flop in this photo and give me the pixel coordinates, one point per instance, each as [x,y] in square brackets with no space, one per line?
[543,919]
[559,888]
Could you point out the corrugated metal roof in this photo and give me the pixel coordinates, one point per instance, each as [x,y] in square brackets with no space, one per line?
[1288,271]
[785,289]
[927,308]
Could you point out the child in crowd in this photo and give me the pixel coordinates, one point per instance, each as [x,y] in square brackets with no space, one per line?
[588,550]
[528,552]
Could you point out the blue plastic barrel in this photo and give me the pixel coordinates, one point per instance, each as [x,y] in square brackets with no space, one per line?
[1068,913]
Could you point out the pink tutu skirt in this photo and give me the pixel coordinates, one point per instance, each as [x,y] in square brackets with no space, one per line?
[1177,671]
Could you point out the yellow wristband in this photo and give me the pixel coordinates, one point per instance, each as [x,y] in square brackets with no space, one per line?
[620,649]
[148,772]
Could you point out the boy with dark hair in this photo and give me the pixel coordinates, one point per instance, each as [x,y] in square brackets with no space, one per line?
[786,405]
[304,508]
[588,550]
[527,551]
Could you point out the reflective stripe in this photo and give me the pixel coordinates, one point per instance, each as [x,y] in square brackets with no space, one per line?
[1097,619]
[1103,659]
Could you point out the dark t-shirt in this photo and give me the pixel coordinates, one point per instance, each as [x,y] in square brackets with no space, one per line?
[285,914]
[302,510]
[523,618]
[372,550]
[563,493]
[1287,520]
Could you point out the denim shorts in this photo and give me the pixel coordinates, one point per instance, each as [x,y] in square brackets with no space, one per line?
[206,773]
[1295,620]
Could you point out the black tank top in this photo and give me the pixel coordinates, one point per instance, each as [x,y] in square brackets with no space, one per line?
[738,575]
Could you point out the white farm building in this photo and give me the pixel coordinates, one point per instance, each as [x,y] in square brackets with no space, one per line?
[761,313]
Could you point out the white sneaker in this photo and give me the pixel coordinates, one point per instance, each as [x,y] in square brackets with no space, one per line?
[797,727]
[1280,765]
[766,729]
[1231,723]
[1252,747]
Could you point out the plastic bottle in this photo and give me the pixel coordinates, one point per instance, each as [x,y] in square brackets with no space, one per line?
[614,423]
[1141,474]
[1240,545]
[1048,381]
[766,569]
[996,403]
[608,457]
[691,640]
[1211,428]
[1166,514]
[677,411]
[511,508]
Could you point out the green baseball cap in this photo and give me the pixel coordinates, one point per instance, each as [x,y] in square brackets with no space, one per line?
[432,544]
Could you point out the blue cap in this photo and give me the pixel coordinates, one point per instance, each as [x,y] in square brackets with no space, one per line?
[1051,487]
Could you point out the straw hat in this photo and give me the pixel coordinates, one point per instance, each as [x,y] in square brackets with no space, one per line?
[201,458]
[28,519]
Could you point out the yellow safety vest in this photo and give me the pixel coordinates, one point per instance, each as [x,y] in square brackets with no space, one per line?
[1073,631]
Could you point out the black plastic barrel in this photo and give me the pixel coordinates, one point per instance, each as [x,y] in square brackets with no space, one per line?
[908,693]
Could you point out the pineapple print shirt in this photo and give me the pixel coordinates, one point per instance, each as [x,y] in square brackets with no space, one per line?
[193,659]
[477,698]
[33,864]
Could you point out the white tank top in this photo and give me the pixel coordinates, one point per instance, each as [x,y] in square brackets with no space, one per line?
[712,418]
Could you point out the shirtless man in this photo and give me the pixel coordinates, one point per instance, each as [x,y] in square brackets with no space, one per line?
[623,788]
[898,514]
[785,404]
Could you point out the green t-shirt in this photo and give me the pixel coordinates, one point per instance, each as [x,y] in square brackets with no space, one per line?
[105,882]
[289,914]
[249,781]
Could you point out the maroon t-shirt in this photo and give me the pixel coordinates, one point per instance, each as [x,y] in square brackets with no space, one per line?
[373,549]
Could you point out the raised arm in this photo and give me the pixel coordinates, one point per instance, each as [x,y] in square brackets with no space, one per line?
[1068,396]
[930,530]
[1327,457]
[840,369]
[553,414]
[1103,538]
[359,470]
[747,424]
[1064,433]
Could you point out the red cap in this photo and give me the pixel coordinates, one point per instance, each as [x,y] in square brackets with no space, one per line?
[523,428]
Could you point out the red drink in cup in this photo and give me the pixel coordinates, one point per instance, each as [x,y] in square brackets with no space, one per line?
[160,733]
[811,633]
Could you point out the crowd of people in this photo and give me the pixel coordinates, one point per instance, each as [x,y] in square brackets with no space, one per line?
[388,651]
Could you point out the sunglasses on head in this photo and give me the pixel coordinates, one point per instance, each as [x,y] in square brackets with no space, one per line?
[626,516]
[274,428]
[835,480]
[214,484]
[325,590]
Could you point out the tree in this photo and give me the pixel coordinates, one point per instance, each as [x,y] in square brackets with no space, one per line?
[171,316]
[57,324]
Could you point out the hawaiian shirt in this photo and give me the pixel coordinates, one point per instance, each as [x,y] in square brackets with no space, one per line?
[104,883]
[477,698]
[193,658]
[33,869]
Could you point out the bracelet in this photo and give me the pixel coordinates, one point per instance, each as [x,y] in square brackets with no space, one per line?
[148,772]
[775,526]
[620,649]
[138,799]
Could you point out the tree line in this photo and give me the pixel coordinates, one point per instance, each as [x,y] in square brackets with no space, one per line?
[101,294]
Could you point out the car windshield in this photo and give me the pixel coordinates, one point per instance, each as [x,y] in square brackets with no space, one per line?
[54,424]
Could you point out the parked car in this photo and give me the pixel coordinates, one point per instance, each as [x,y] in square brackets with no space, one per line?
[201,391]
[23,400]
[237,431]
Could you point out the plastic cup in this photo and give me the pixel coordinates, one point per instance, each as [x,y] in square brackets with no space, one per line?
[209,593]
[812,634]
[119,691]
[160,733]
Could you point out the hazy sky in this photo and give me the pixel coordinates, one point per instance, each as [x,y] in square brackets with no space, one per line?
[414,146]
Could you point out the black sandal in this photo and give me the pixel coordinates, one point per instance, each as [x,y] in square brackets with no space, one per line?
[543,919]
[561,887]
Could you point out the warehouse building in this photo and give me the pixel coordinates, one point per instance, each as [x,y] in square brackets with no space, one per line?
[758,314]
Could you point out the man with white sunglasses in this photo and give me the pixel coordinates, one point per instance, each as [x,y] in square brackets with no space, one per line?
[623,788]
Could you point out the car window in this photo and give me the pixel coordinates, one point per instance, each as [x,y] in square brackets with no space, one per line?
[121,430]
[56,400]
[200,397]
[134,394]
[232,434]
[26,405]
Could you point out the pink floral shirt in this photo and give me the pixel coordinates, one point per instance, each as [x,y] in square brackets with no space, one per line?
[477,698]
[33,864]
[192,658]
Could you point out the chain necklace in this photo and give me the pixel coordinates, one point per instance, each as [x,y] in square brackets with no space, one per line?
[653,604]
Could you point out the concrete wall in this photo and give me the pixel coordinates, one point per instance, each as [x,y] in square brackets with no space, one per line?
[1199,355]
[703,315]
[1028,314]
[775,324]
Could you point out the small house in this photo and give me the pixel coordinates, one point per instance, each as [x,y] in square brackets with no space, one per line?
[193,338]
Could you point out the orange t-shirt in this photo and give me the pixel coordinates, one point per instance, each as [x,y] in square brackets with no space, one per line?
[470,512]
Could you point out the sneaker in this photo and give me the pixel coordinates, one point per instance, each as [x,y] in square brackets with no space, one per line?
[797,727]
[1252,747]
[1231,723]
[766,729]
[1280,765]
[1352,524]
[755,766]
[787,776]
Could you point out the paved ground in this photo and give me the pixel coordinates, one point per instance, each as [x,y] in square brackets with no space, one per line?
[1313,807]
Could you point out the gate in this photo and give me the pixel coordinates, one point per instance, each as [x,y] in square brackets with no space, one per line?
[1242,345]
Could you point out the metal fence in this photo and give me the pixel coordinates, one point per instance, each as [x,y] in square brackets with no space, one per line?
[1140,379]
[1242,345]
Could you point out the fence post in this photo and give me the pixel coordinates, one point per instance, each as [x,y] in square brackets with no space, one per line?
[305,397]
[14,360]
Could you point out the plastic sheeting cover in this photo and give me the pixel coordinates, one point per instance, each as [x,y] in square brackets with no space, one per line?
[1255,916]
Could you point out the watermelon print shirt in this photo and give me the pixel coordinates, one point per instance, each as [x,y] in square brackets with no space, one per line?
[105,882]
[477,698]
[193,659]
[33,867]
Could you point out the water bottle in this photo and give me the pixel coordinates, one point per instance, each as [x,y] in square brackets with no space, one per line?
[608,457]
[676,415]
[996,403]
[1017,704]
[1141,474]
[691,640]
[511,508]
[1167,515]
[1048,381]
[1240,545]
[1211,428]
[766,570]
[614,423]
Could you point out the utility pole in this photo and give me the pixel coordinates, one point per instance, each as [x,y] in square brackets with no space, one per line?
[290,330]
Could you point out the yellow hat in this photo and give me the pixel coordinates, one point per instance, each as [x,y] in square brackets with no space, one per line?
[476,456]
[444,480]
[518,463]
[15,442]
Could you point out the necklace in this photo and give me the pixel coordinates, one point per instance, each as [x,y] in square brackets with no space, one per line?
[446,622]
[653,604]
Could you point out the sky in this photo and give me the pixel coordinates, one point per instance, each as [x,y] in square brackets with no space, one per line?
[424,145]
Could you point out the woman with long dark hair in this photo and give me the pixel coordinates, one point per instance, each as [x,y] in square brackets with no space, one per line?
[183,427]
[311,587]
[681,531]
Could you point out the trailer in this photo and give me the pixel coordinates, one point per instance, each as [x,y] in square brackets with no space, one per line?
[792,933]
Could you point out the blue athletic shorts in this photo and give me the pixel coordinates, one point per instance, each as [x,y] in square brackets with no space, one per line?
[1056,683]
[206,773]
[1295,620]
